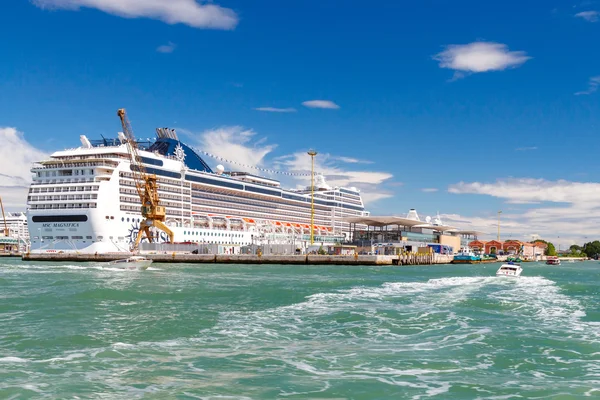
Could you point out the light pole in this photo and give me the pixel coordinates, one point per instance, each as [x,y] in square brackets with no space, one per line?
[499,212]
[312,154]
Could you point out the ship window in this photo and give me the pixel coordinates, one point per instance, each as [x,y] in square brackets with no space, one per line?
[100,237]
[62,237]
[112,217]
[88,237]
[122,219]
[48,237]
[76,237]
[127,219]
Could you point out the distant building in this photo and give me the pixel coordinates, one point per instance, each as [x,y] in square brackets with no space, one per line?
[530,250]
[17,229]
[8,245]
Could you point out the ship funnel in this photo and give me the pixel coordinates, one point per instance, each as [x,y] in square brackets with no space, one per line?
[85,143]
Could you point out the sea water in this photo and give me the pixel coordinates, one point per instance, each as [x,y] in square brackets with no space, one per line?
[180,331]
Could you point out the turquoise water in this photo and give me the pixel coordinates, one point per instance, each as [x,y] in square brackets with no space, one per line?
[297,332]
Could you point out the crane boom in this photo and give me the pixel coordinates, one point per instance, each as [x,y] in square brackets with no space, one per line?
[6,231]
[147,187]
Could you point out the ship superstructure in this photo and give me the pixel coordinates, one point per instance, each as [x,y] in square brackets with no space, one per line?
[84,199]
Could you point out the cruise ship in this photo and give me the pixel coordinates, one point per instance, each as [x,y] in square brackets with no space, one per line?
[84,200]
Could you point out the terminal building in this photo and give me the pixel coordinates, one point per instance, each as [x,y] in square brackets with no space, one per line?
[394,234]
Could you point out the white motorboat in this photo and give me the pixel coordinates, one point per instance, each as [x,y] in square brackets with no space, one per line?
[138,263]
[509,269]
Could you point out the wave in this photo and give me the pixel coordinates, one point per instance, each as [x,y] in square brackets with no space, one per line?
[7,360]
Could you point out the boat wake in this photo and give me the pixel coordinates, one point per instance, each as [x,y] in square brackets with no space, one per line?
[454,337]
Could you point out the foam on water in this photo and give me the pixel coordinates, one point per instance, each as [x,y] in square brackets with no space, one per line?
[13,360]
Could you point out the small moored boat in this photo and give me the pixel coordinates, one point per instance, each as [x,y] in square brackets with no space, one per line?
[466,256]
[132,263]
[509,269]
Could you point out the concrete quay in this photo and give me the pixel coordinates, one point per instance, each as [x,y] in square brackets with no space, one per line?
[310,259]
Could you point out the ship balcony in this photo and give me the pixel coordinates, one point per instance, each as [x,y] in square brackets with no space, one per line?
[63,198]
[54,164]
[103,175]
[54,181]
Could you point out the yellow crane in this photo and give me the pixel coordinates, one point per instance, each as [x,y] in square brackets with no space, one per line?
[146,186]
[6,231]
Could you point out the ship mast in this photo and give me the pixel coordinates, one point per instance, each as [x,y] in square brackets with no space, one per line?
[6,231]
[146,186]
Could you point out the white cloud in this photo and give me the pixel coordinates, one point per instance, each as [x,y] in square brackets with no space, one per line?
[590,16]
[327,104]
[533,190]
[526,148]
[593,85]
[352,160]
[429,190]
[16,157]
[166,48]
[553,209]
[276,110]
[189,12]
[235,143]
[479,57]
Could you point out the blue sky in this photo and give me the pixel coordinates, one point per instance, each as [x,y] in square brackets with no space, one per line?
[429,94]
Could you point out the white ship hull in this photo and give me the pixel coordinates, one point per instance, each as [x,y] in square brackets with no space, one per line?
[83,200]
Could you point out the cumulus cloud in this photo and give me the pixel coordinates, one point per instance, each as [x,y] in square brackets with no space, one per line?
[16,157]
[590,16]
[593,84]
[551,209]
[327,104]
[166,48]
[235,143]
[189,12]
[479,57]
[429,190]
[276,110]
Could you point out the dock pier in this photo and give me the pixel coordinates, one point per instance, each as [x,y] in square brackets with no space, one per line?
[310,259]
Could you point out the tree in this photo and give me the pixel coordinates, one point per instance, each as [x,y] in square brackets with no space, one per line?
[550,250]
[592,249]
[493,250]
